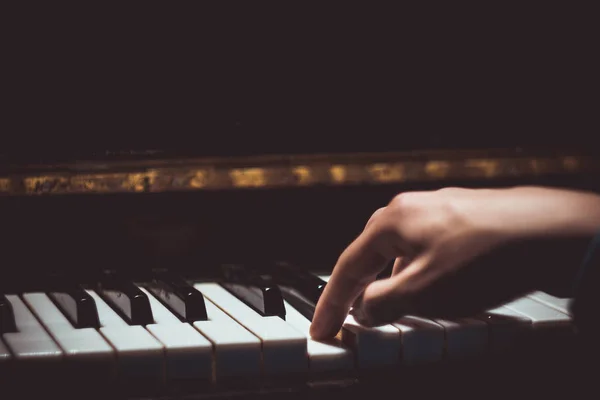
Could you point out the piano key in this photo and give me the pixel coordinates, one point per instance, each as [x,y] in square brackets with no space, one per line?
[127,299]
[257,291]
[140,356]
[4,358]
[465,337]
[553,332]
[541,316]
[305,283]
[160,314]
[289,280]
[236,351]
[180,296]
[86,351]
[34,352]
[188,354]
[300,303]
[7,316]
[4,353]
[324,357]
[374,347]
[106,315]
[324,277]
[284,349]
[557,303]
[30,341]
[507,329]
[5,368]
[77,305]
[423,340]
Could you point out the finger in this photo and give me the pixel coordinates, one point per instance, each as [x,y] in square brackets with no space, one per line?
[387,300]
[356,268]
[399,264]
[374,217]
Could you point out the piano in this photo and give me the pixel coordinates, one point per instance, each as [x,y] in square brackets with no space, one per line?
[152,275]
[167,225]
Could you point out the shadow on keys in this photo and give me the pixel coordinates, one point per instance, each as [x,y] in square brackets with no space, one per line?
[246,336]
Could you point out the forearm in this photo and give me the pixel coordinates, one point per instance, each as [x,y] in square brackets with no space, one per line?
[525,213]
[555,226]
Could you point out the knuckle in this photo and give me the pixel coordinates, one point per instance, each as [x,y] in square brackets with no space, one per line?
[404,202]
[376,215]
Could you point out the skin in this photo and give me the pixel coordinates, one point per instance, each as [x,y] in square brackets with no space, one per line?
[457,252]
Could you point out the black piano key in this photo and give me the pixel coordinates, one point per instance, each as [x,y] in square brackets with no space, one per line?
[257,291]
[7,316]
[77,305]
[126,299]
[179,296]
[299,287]
[300,303]
[293,277]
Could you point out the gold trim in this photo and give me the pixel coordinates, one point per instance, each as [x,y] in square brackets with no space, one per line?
[289,171]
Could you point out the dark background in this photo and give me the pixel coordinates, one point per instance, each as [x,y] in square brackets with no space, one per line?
[113,81]
[237,79]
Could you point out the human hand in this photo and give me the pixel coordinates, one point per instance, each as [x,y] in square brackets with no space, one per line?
[457,252]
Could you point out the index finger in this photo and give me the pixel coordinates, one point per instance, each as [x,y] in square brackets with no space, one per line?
[357,266]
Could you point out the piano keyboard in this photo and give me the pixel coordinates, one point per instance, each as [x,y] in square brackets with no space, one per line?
[205,338]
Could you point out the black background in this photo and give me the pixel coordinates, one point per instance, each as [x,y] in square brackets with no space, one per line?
[239,79]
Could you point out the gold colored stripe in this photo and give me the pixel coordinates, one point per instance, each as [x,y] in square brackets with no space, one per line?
[4,185]
[377,169]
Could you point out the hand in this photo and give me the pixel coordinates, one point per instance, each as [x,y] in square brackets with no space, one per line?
[457,252]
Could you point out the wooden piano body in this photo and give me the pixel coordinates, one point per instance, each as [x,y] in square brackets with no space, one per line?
[191,215]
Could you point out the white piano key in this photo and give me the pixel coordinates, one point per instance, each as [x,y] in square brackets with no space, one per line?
[559,304]
[5,367]
[4,353]
[106,315]
[507,328]
[374,347]
[324,357]
[540,315]
[284,349]
[188,354]
[423,340]
[31,342]
[237,352]
[160,313]
[140,356]
[465,337]
[78,344]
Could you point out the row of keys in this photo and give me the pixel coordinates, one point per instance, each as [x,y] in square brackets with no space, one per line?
[223,332]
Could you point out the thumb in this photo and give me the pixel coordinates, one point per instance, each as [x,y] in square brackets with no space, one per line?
[387,300]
